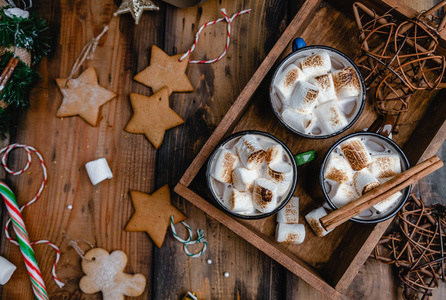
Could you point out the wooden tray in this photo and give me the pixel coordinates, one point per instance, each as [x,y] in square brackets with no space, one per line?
[329,264]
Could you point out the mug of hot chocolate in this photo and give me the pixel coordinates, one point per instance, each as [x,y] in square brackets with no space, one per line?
[252,174]
[317,91]
[359,163]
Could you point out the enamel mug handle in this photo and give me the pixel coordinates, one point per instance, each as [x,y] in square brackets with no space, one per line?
[383,125]
[298,43]
[303,158]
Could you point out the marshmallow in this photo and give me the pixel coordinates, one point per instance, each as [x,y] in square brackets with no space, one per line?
[286,81]
[346,83]
[331,117]
[250,152]
[265,195]
[241,202]
[301,122]
[387,203]
[225,162]
[227,198]
[243,179]
[326,87]
[343,194]
[356,154]
[304,97]
[274,154]
[313,218]
[364,181]
[6,270]
[316,64]
[290,213]
[338,169]
[282,175]
[98,170]
[384,166]
[290,233]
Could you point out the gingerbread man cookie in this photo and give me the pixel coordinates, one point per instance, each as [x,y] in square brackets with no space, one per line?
[104,273]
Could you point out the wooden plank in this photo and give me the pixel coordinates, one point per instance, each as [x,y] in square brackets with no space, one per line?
[296,25]
[100,212]
[263,243]
[253,274]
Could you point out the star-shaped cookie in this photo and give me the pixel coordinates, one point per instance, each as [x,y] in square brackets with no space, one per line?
[152,116]
[165,70]
[152,214]
[136,8]
[83,96]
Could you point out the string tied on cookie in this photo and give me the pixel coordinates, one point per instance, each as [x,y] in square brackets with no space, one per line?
[87,52]
[225,18]
[189,241]
[19,225]
[76,246]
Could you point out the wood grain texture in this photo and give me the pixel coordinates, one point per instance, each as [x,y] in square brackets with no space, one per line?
[100,213]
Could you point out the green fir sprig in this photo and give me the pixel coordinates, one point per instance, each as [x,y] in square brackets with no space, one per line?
[30,33]
[8,117]
[16,90]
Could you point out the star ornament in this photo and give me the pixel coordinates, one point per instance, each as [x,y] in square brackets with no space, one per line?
[136,8]
[152,214]
[83,96]
[165,70]
[152,116]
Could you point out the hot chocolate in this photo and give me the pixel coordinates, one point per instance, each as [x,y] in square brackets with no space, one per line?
[317,92]
[358,165]
[260,174]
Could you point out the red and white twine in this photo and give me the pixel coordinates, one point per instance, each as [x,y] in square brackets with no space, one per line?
[229,21]
[5,151]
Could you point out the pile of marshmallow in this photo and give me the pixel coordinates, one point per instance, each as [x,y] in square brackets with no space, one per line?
[310,92]
[289,230]
[257,177]
[356,172]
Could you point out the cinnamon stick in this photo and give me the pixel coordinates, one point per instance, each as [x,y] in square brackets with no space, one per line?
[7,72]
[380,193]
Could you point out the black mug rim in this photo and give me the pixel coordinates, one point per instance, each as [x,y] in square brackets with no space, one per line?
[318,137]
[262,215]
[400,151]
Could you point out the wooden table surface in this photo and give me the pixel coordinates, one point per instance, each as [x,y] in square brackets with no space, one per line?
[100,213]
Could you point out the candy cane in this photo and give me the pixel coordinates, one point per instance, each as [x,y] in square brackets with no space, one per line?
[188,241]
[29,150]
[225,18]
[24,243]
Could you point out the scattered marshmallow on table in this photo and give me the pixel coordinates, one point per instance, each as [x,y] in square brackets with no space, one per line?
[6,270]
[290,233]
[313,218]
[98,170]
[290,213]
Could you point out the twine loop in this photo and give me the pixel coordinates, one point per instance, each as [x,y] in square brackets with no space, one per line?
[87,52]
[189,241]
[225,18]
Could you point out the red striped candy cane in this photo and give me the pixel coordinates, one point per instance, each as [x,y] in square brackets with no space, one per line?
[225,18]
[5,151]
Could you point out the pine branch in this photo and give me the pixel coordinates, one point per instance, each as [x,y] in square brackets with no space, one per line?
[30,33]
[16,90]
[8,120]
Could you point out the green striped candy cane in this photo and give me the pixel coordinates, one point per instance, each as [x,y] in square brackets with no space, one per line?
[25,245]
[189,241]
